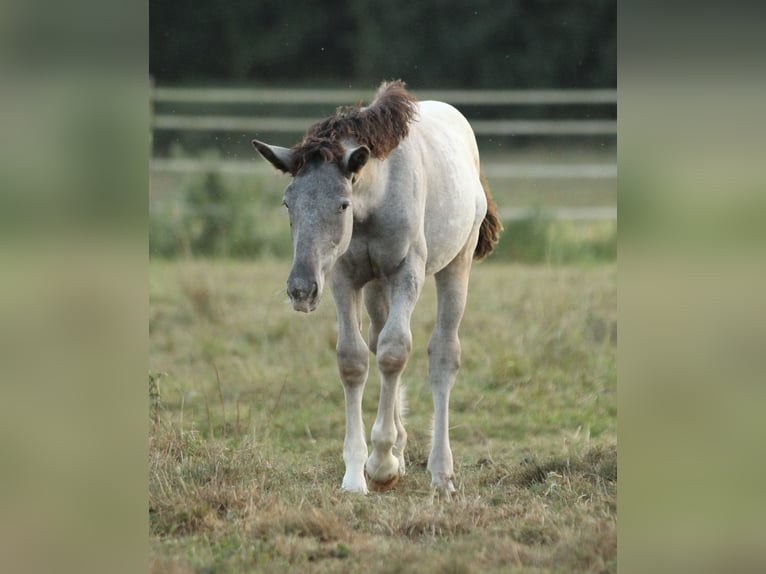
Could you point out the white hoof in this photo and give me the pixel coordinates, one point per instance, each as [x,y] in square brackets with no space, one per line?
[443,485]
[383,474]
[356,485]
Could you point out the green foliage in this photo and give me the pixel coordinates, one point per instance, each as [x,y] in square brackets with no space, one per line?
[541,239]
[211,215]
[525,240]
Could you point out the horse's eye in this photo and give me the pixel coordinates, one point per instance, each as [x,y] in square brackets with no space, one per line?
[344,205]
[285,204]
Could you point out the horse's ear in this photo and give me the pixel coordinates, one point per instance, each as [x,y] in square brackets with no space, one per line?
[355,158]
[280,157]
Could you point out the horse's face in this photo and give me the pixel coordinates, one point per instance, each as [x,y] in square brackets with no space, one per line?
[319,202]
[320,207]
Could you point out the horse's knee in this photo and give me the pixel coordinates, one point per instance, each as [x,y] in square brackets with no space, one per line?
[352,364]
[393,352]
[444,353]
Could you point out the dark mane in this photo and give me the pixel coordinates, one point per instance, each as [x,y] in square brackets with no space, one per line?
[380,126]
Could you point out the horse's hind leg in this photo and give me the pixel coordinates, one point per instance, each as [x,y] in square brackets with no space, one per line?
[444,362]
[377,304]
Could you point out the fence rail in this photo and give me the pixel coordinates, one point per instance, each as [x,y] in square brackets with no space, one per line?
[604,213]
[491,169]
[299,125]
[335,97]
[243,96]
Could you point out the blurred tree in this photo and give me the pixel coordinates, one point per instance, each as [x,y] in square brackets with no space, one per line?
[211,215]
[429,43]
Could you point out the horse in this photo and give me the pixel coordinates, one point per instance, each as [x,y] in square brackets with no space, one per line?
[380,198]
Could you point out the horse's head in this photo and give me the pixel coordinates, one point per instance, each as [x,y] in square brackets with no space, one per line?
[319,202]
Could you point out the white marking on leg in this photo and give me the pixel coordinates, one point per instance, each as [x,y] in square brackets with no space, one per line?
[354,445]
[353,361]
[401,433]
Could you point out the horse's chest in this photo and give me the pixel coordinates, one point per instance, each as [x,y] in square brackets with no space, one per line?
[387,254]
[370,257]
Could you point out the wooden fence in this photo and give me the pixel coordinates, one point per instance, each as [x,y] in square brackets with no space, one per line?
[164,98]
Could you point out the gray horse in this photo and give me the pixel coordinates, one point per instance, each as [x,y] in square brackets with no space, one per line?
[382,197]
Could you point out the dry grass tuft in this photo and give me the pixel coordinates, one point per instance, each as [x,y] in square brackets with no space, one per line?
[444,521]
[590,548]
[165,566]
[601,462]
[199,293]
[303,522]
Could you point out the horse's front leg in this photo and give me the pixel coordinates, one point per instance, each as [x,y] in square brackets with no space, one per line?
[385,465]
[352,355]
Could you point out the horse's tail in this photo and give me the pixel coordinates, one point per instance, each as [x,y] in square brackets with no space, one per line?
[489,233]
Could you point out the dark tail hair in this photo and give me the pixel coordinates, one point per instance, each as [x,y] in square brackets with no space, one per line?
[489,233]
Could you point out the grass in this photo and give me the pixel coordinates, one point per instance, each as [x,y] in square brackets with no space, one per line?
[247,429]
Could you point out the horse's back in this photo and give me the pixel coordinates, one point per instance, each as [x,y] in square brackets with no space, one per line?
[443,124]
[455,199]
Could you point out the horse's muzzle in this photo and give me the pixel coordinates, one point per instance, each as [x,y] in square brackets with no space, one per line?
[304,294]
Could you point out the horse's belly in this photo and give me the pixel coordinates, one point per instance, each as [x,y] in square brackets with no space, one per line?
[449,227]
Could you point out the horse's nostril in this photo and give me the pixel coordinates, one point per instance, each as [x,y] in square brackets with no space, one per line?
[303,292]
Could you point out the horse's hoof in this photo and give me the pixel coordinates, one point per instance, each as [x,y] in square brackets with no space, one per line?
[376,486]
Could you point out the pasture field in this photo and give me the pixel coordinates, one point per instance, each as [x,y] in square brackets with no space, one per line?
[247,426]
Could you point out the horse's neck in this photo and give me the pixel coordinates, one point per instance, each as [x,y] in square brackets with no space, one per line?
[370,189]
